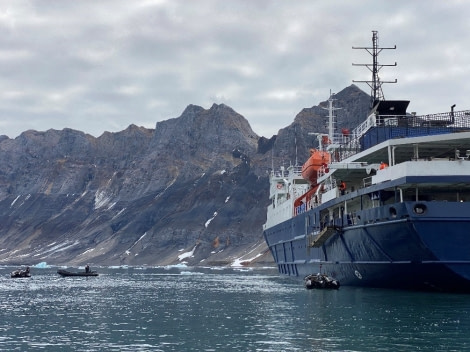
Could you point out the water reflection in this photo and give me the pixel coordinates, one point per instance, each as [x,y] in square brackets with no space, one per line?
[156,309]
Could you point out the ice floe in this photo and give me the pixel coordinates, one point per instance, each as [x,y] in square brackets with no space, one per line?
[41,265]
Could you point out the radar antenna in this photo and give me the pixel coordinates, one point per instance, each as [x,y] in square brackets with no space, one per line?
[375,84]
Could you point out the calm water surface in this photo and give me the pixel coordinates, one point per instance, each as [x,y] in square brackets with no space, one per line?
[186,309]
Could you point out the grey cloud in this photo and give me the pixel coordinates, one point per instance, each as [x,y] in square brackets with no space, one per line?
[101,66]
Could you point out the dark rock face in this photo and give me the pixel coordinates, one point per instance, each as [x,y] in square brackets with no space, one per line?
[193,190]
[353,106]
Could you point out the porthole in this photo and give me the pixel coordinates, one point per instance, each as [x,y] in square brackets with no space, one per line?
[419,209]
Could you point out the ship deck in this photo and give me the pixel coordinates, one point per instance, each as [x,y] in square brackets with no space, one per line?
[450,146]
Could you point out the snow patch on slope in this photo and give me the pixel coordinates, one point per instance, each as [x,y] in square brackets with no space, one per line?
[209,221]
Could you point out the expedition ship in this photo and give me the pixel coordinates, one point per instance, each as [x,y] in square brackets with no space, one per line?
[385,205]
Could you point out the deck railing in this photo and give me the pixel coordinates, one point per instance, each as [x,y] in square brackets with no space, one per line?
[379,128]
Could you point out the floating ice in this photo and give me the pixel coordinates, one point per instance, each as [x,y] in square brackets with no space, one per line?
[181,265]
[41,265]
[190,273]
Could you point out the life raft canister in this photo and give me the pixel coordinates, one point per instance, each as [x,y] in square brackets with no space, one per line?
[383,165]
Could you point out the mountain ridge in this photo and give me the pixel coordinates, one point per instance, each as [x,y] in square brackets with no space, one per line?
[196,185]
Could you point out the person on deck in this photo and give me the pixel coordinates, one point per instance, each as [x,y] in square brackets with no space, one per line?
[342,187]
[87,268]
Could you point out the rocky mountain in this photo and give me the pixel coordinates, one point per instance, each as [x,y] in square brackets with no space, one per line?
[193,190]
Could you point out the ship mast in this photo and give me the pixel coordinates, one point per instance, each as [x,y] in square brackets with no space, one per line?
[331,118]
[328,141]
[375,84]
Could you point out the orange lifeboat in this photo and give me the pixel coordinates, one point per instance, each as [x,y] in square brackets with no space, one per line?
[317,159]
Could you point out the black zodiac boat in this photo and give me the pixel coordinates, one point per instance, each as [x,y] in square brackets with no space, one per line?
[20,273]
[320,281]
[62,272]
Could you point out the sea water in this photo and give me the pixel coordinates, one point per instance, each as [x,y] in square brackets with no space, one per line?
[217,309]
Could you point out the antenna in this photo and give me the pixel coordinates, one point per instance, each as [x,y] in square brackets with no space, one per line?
[328,141]
[331,117]
[375,84]
[295,143]
[272,158]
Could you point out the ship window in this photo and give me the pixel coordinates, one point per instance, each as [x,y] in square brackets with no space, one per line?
[419,209]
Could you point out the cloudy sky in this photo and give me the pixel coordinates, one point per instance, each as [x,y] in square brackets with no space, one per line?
[100,66]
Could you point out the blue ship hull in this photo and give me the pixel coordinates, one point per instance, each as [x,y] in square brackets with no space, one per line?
[390,246]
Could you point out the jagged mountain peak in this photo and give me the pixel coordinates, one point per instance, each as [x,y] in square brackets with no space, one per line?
[197,183]
[192,110]
[216,129]
[220,113]
[222,107]
[132,131]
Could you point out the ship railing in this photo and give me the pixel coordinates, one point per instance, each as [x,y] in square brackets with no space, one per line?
[364,127]
[450,120]
[391,120]
[457,119]
[279,173]
[367,181]
[284,173]
[344,150]
[346,144]
[296,170]
[398,126]
[351,218]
